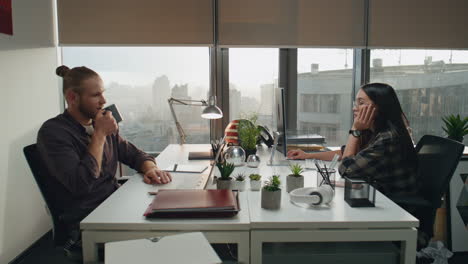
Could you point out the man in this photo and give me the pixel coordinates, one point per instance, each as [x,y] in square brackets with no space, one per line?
[81,149]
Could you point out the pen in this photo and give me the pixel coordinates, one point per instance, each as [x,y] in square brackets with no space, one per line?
[175,167]
[328,176]
[321,173]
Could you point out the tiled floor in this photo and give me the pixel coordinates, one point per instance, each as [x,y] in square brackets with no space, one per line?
[45,252]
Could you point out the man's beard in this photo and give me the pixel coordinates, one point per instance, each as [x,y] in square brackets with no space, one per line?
[87,113]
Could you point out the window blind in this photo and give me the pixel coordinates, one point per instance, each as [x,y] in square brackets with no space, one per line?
[136,22]
[418,24]
[295,23]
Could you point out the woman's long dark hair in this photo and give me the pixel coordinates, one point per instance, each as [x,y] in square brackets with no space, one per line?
[390,116]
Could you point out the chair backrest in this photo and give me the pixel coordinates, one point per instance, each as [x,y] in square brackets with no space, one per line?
[438,158]
[46,185]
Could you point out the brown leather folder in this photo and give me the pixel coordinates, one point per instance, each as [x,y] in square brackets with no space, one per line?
[193,204]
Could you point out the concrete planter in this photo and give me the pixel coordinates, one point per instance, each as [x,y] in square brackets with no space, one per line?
[255,185]
[223,184]
[293,182]
[238,185]
[271,200]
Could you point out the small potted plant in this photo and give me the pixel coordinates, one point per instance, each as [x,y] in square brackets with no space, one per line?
[248,135]
[271,193]
[455,127]
[224,181]
[255,182]
[295,180]
[240,182]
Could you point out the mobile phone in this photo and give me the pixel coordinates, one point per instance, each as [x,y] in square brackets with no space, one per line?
[115,112]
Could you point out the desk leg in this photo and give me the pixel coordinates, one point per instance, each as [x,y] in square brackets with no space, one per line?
[90,249]
[408,248]
[256,250]
[243,248]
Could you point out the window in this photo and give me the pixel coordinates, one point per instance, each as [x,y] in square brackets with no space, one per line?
[324,85]
[253,75]
[430,84]
[139,80]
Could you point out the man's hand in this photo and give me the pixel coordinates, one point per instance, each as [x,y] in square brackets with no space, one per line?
[365,118]
[156,176]
[104,123]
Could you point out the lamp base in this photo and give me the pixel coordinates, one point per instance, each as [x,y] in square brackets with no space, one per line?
[201,155]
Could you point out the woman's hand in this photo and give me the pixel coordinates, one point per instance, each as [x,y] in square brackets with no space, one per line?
[365,118]
[296,154]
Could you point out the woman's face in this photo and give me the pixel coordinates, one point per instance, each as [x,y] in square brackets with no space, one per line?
[361,100]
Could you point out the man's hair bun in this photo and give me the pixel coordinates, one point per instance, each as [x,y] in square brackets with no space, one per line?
[62,70]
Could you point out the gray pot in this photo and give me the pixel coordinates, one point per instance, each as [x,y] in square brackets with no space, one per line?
[256,185]
[293,182]
[223,184]
[271,200]
[238,185]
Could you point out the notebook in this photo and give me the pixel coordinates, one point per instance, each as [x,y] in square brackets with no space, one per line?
[186,168]
[193,203]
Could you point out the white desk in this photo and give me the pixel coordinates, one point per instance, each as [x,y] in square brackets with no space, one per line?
[338,222]
[120,217]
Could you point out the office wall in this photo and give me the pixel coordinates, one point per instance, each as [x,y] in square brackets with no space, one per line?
[29,95]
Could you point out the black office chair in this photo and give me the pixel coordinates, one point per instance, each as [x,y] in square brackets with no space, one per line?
[47,186]
[438,158]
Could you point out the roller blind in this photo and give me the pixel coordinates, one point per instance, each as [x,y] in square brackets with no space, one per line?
[418,24]
[295,23]
[135,22]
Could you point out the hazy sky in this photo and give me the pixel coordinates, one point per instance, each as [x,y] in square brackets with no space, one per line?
[249,67]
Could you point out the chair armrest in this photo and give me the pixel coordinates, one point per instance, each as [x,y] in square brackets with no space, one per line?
[123,179]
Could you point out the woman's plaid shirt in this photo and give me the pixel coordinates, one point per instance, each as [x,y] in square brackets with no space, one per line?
[382,161]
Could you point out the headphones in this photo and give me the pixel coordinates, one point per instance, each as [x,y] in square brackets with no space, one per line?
[313,195]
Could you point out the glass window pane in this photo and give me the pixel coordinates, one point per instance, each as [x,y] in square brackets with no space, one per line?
[430,84]
[324,85]
[253,74]
[139,80]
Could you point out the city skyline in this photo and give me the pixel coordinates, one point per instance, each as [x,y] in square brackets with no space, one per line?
[324,84]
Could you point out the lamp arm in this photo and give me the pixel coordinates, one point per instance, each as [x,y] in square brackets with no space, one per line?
[173,101]
[180,130]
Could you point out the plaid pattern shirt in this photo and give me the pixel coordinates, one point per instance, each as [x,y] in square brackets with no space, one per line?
[382,161]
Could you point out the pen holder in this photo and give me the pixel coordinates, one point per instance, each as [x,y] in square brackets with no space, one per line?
[326,176]
[359,193]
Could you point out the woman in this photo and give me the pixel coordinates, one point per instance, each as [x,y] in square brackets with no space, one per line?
[379,146]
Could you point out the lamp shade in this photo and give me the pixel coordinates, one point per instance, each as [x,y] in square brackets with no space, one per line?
[212,112]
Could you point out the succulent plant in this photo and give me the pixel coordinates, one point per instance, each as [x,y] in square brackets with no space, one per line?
[240,177]
[225,169]
[273,184]
[296,170]
[255,177]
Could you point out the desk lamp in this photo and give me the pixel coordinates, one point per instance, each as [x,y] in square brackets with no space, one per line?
[211,111]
